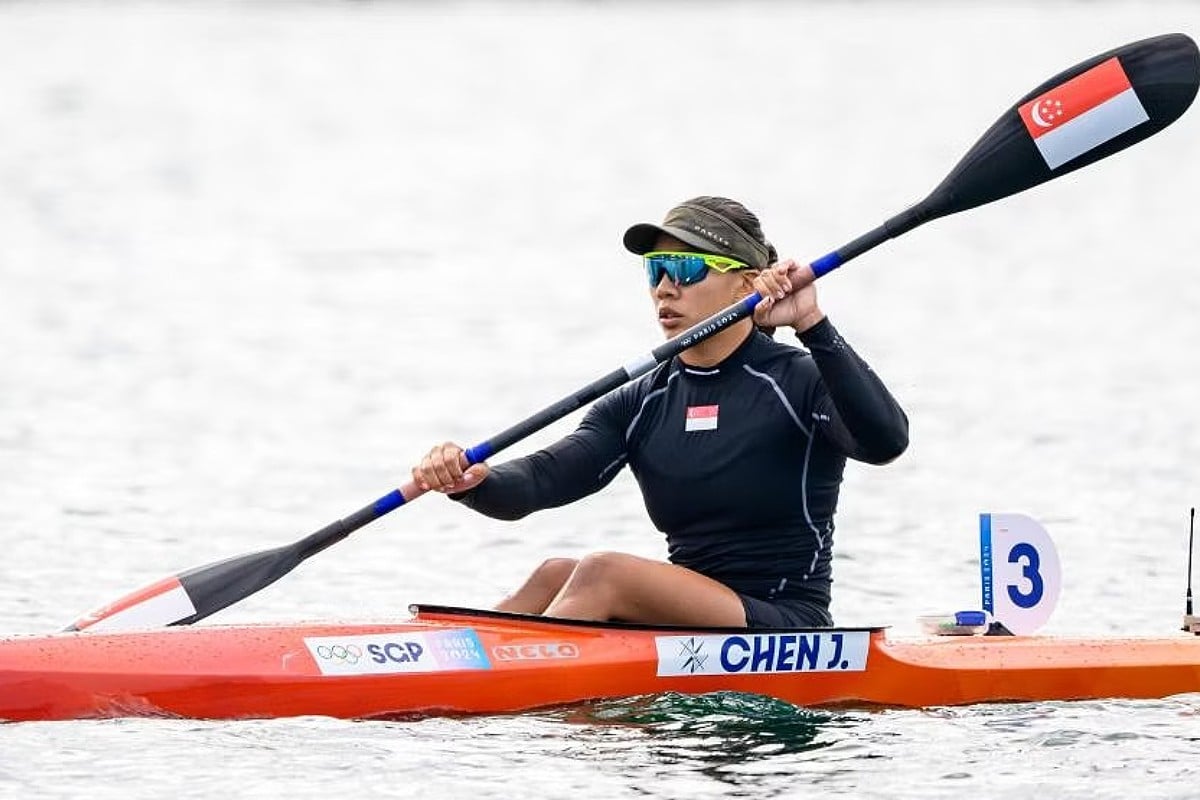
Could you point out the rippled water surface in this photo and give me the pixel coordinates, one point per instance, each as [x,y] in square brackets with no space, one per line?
[256,258]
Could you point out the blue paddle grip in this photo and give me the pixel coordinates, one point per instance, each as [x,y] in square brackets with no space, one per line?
[826,264]
[479,453]
[389,502]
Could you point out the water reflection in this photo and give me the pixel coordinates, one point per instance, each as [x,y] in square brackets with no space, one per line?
[724,735]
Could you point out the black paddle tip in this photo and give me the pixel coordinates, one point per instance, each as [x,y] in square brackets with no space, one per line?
[1157,77]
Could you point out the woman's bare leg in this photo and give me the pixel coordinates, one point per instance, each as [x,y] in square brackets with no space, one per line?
[539,588]
[633,589]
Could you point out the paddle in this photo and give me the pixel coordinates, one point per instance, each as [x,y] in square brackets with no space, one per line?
[1079,116]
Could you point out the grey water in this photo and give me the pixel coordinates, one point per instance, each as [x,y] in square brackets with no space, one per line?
[255,258]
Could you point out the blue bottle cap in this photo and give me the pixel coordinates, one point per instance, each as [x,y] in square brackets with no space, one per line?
[970,618]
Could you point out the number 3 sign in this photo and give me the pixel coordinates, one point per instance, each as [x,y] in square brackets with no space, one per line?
[1020,570]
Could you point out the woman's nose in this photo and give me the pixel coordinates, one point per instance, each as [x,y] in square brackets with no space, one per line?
[666,287]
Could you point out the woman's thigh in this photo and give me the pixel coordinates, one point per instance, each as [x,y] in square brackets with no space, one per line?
[635,589]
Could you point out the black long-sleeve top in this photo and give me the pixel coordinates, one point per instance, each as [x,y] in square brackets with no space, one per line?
[739,464]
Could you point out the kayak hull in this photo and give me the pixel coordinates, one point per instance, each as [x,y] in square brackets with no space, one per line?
[462,661]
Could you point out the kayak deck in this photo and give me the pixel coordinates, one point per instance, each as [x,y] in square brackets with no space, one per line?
[464,661]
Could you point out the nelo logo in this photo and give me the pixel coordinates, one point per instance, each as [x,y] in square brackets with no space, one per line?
[535,652]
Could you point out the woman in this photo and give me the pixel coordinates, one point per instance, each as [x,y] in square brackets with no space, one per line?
[738,445]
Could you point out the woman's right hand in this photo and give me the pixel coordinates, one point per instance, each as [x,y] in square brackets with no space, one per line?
[444,469]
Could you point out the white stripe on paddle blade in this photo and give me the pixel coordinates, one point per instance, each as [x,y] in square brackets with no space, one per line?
[163,603]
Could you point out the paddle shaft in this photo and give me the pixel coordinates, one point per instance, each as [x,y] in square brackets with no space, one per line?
[336,531]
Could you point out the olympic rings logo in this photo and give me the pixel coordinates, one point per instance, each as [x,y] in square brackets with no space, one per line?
[347,654]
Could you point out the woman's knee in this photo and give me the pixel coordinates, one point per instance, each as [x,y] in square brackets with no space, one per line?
[555,571]
[598,567]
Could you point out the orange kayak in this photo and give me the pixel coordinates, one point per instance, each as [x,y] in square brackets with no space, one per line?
[463,661]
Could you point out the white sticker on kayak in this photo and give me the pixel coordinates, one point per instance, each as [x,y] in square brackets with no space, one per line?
[758,653]
[386,653]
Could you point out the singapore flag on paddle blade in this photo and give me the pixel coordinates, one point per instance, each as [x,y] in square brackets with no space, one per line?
[1083,113]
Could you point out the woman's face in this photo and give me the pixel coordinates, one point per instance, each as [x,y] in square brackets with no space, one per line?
[681,307]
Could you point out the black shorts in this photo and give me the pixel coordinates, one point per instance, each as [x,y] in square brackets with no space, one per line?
[784,613]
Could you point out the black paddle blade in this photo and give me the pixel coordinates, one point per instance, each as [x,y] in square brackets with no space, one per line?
[198,593]
[203,591]
[220,585]
[1082,115]
[193,595]
[223,583]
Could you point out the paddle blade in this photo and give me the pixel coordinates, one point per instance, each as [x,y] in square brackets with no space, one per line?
[1084,114]
[193,595]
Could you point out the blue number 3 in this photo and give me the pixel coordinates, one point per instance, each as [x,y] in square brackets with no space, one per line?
[1029,572]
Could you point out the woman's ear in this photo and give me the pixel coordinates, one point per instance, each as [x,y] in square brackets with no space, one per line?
[746,284]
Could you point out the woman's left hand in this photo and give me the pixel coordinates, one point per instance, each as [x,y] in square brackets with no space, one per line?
[789,296]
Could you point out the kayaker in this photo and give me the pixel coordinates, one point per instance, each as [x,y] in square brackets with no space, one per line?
[738,445]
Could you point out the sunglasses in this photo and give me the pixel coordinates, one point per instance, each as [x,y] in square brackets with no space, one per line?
[684,269]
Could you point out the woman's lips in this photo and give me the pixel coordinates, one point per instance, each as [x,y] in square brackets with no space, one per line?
[669,319]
